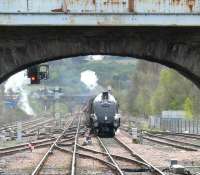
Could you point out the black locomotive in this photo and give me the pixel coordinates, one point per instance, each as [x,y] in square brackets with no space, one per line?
[102,115]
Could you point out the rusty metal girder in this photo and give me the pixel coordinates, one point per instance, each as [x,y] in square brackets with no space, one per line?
[101,6]
[100,12]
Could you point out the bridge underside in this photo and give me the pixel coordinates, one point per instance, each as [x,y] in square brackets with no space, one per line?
[178,48]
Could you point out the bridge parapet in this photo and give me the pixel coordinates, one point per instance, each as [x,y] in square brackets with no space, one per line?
[101,6]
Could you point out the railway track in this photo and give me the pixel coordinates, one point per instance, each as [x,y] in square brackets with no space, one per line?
[110,157]
[124,161]
[132,163]
[67,139]
[169,139]
[30,130]
[66,155]
[33,127]
[195,141]
[24,124]
[28,127]
[186,135]
[171,142]
[23,147]
[110,161]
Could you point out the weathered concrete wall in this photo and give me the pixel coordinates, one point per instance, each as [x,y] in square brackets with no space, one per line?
[178,48]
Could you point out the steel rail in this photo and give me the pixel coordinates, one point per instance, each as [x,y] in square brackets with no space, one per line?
[26,144]
[162,141]
[111,158]
[41,163]
[21,148]
[37,125]
[172,140]
[192,136]
[35,143]
[73,166]
[134,153]
[114,155]
[24,124]
[33,121]
[187,135]
[74,133]
[88,156]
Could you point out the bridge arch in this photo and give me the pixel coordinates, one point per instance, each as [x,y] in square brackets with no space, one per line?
[177,48]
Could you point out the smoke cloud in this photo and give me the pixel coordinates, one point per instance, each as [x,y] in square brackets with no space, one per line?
[89,78]
[17,84]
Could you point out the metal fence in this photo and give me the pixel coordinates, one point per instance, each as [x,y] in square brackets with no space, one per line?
[175,125]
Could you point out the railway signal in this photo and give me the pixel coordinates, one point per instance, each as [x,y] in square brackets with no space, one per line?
[44,71]
[35,79]
[37,73]
[33,74]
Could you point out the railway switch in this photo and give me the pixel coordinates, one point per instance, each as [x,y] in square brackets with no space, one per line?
[44,71]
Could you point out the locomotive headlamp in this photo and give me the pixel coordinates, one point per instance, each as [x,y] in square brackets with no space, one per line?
[117,116]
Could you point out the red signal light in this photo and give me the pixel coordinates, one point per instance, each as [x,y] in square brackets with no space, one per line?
[33,78]
[33,73]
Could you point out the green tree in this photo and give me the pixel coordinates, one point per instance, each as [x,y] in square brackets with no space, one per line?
[170,93]
[144,82]
[156,89]
[188,107]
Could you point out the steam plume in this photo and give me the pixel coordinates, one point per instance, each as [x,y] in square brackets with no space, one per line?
[17,84]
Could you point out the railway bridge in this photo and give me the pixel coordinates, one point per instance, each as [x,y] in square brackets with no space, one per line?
[162,31]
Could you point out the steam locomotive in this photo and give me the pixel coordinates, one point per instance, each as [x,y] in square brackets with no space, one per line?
[102,114]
